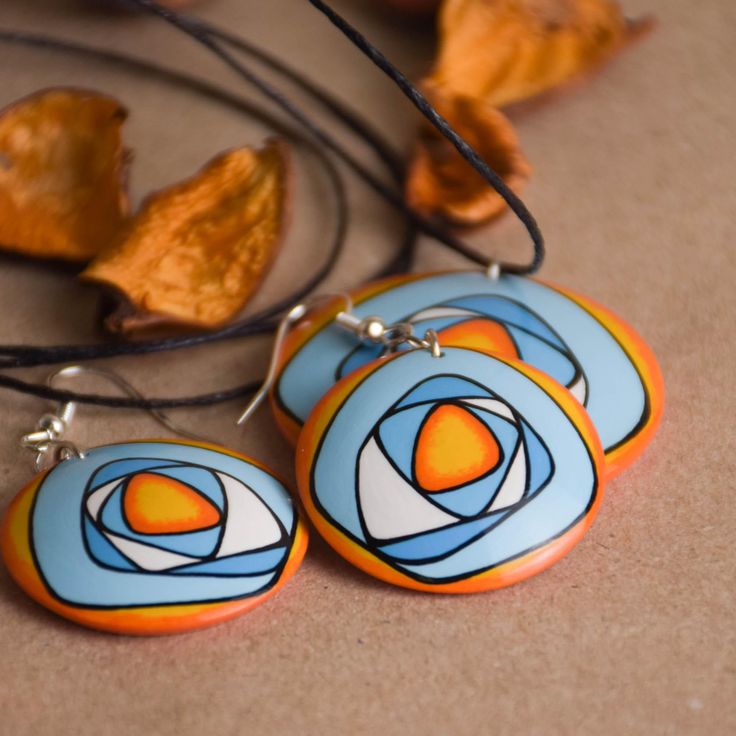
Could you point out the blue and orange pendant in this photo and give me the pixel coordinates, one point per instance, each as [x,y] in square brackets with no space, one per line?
[600,359]
[454,473]
[153,537]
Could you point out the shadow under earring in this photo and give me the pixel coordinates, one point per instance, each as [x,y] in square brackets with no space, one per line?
[148,537]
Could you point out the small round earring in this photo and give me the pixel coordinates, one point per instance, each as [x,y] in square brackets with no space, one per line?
[148,537]
[447,469]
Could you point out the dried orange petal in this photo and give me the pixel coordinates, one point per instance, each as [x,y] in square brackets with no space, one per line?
[504,51]
[440,181]
[198,250]
[62,174]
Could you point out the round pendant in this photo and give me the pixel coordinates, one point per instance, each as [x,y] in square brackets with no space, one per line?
[454,474]
[598,357]
[153,537]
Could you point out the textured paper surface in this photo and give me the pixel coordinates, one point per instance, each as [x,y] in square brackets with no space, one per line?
[633,633]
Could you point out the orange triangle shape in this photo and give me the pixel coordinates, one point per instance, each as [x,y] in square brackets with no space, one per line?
[157,504]
[453,448]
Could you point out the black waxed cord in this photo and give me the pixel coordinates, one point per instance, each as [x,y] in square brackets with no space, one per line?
[123,402]
[365,132]
[443,126]
[13,356]
[201,33]
[16,356]
[263,322]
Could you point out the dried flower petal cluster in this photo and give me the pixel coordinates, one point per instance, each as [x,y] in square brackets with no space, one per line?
[193,254]
[493,53]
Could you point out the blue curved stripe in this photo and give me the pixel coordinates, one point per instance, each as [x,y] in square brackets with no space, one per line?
[440,323]
[503,310]
[616,397]
[102,550]
[360,356]
[544,356]
[444,387]
[249,563]
[440,542]
[121,468]
[75,577]
[195,544]
[398,434]
[539,466]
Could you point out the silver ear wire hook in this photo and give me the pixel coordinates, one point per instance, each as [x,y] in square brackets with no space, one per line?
[369,328]
[52,426]
[293,315]
[374,329]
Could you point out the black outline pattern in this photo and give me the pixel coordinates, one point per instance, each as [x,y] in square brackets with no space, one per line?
[464,407]
[289,536]
[473,315]
[518,419]
[392,561]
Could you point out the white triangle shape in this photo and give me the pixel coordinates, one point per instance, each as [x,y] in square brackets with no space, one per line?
[579,389]
[250,524]
[440,312]
[514,484]
[494,406]
[149,558]
[392,507]
[98,497]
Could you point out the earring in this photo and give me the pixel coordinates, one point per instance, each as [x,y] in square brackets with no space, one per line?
[447,469]
[605,365]
[148,537]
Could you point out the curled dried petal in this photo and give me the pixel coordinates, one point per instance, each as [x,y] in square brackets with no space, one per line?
[440,181]
[62,174]
[197,251]
[504,51]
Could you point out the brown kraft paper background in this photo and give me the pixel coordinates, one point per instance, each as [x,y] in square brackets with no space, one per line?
[633,632]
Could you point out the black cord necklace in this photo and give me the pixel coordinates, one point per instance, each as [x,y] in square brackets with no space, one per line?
[215,40]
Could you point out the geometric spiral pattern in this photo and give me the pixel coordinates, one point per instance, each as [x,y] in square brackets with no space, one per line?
[456,464]
[153,537]
[147,515]
[444,470]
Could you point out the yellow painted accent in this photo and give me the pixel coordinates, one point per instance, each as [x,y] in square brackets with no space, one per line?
[454,447]
[156,504]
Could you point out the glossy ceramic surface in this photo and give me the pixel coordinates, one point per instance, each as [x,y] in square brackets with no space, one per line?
[153,537]
[453,474]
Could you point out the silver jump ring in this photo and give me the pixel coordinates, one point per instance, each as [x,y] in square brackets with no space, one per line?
[62,450]
[493,271]
[430,342]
